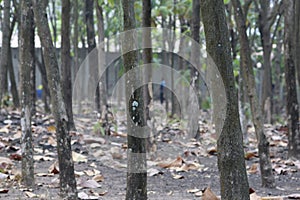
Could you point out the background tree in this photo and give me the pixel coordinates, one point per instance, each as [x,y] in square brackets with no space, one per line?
[27,62]
[136,164]
[292,106]
[66,165]
[249,80]
[66,61]
[5,48]
[233,177]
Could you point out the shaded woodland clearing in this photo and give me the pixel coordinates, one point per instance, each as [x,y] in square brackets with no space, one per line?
[250,57]
[180,175]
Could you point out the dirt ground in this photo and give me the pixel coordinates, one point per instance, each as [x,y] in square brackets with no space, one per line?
[178,170]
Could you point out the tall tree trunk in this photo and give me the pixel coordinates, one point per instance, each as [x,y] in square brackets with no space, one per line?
[75,37]
[14,89]
[66,165]
[102,63]
[136,165]
[267,16]
[27,62]
[292,106]
[5,49]
[297,42]
[147,60]
[89,17]
[66,62]
[249,79]
[231,163]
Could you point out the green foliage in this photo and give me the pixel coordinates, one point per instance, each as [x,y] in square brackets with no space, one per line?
[205,104]
[98,128]
[226,1]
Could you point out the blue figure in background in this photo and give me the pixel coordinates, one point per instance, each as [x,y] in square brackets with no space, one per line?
[162,87]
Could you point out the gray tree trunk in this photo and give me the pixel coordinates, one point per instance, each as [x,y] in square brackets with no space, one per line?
[292,106]
[66,75]
[5,49]
[249,79]
[27,62]
[136,164]
[66,165]
[231,163]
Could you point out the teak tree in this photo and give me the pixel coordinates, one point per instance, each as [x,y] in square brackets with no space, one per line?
[66,165]
[27,62]
[249,80]
[136,165]
[231,163]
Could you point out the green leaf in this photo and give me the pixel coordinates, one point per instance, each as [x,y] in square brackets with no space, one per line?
[226,1]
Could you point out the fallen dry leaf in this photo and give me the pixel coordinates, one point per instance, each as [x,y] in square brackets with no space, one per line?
[77,157]
[3,191]
[89,184]
[98,178]
[193,190]
[272,198]
[31,195]
[153,172]
[51,129]
[254,196]
[209,195]
[177,176]
[253,169]
[175,163]
[54,168]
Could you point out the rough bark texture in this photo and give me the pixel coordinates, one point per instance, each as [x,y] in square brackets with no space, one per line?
[292,106]
[66,62]
[5,48]
[231,163]
[136,166]
[249,79]
[66,164]
[27,62]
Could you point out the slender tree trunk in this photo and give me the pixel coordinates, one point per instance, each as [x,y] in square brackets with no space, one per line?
[89,17]
[249,79]
[136,166]
[102,63]
[66,165]
[46,92]
[66,62]
[231,163]
[297,42]
[75,39]
[5,49]
[14,89]
[147,60]
[292,106]
[27,62]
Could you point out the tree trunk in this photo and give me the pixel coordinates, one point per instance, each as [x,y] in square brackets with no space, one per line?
[5,49]
[249,79]
[89,17]
[292,106]
[27,62]
[297,42]
[136,165]
[102,65]
[66,164]
[231,163]
[66,62]
[147,60]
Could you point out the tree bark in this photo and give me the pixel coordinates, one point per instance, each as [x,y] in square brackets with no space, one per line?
[136,165]
[292,106]
[27,62]
[66,164]
[5,49]
[297,42]
[231,163]
[267,177]
[66,62]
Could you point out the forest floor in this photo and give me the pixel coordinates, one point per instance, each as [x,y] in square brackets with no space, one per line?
[178,170]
